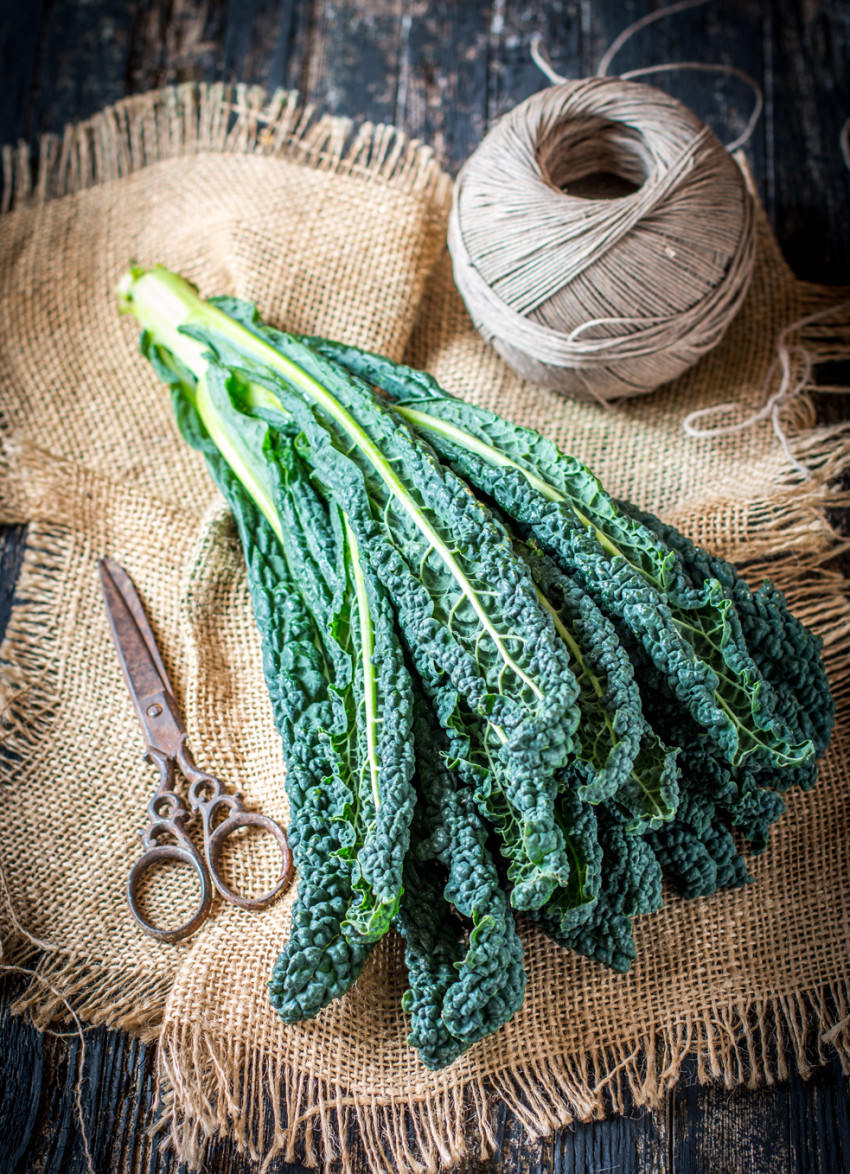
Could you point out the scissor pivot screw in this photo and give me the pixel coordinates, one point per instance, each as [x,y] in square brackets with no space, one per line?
[153,710]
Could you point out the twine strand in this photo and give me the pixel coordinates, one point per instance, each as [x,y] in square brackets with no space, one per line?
[601,295]
[713,67]
[541,59]
[789,388]
[635,27]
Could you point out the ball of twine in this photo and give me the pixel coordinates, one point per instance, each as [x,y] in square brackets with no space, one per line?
[602,238]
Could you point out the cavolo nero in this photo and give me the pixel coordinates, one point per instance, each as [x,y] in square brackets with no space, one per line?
[498,689]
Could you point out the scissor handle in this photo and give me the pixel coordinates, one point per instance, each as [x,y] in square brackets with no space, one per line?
[215,842]
[149,859]
[207,795]
[167,812]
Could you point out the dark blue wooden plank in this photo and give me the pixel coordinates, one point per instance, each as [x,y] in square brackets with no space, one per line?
[819,1121]
[636,1142]
[811,49]
[353,62]
[61,1138]
[22,1076]
[722,1131]
[263,43]
[21,35]
[442,97]
[513,76]
[84,61]
[174,41]
[633,1144]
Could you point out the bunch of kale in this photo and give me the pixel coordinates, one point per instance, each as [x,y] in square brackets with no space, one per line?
[498,689]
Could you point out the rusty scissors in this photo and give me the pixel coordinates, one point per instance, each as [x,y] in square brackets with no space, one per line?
[165,739]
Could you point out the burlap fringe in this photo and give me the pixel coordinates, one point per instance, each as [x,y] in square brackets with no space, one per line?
[192,118]
[210,1085]
[123,1000]
[826,340]
[29,654]
[274,1111]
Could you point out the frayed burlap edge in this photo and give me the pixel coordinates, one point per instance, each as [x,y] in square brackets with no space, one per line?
[116,142]
[209,1087]
[99,994]
[268,1107]
[272,1111]
[222,119]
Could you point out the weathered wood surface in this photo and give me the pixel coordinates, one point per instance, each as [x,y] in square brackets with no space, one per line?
[443,70]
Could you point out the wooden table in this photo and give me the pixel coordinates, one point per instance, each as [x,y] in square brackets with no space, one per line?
[444,71]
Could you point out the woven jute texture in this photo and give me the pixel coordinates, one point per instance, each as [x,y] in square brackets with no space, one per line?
[341,232]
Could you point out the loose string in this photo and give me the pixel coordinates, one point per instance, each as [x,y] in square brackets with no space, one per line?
[713,67]
[540,57]
[635,27]
[787,390]
[543,62]
[789,387]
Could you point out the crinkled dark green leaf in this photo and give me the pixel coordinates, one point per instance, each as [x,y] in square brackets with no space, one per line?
[697,850]
[434,946]
[490,983]
[631,885]
[786,652]
[691,634]
[574,903]
[617,752]
[371,687]
[463,600]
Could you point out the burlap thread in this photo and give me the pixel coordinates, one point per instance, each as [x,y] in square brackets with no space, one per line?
[341,232]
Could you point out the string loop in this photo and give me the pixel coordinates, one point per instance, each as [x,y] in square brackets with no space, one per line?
[541,59]
[789,388]
[602,238]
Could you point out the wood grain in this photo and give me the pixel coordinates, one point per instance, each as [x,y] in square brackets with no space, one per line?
[444,71]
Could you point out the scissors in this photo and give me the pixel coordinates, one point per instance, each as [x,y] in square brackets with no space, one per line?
[165,738]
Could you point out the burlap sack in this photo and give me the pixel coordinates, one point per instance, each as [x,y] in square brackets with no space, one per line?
[344,237]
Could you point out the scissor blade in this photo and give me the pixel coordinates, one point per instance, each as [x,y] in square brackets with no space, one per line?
[130,595]
[143,669]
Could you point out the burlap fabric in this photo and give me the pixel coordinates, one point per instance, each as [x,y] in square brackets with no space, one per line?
[343,234]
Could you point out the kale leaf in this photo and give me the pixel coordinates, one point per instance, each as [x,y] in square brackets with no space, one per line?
[497,687]
[692,634]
